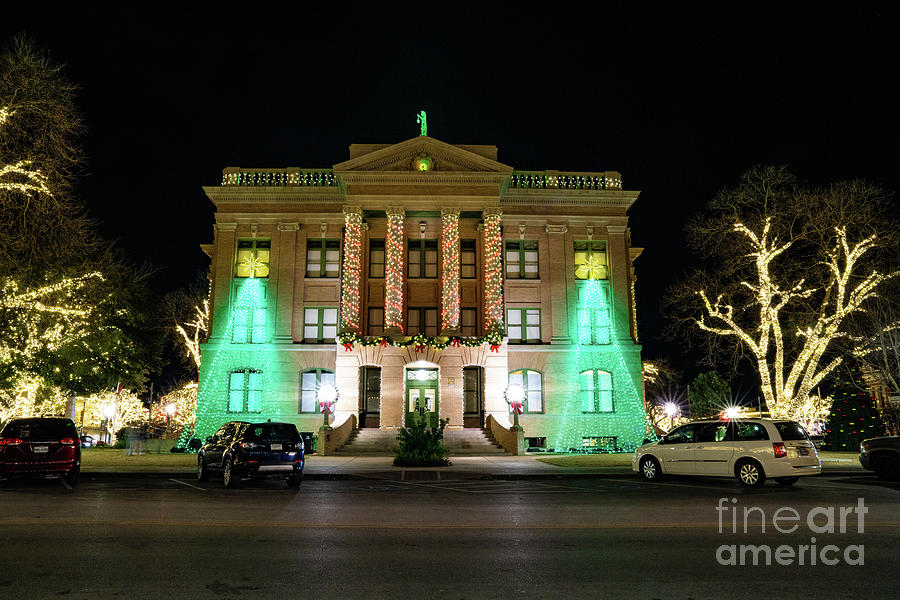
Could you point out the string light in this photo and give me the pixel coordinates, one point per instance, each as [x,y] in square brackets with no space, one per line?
[18,177]
[493,270]
[393,280]
[450,276]
[352,276]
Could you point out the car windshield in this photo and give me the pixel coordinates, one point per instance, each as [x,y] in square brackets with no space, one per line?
[273,432]
[791,431]
[40,429]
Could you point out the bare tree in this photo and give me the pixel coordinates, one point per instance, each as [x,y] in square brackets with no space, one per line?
[787,267]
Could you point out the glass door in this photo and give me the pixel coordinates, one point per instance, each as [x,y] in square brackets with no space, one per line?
[473,398]
[370,397]
[422,396]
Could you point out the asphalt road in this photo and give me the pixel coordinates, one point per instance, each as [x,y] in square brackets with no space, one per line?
[611,537]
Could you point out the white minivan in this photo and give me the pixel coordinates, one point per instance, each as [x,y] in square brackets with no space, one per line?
[749,449]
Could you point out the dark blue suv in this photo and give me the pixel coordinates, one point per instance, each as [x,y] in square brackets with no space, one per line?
[253,450]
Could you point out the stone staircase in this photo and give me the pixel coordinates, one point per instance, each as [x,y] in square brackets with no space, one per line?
[459,442]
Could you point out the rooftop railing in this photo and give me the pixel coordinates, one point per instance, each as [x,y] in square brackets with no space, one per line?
[565,181]
[279,177]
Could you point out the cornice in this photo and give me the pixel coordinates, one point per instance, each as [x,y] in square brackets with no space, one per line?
[273,195]
[543,197]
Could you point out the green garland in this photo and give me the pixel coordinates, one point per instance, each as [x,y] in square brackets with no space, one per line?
[349,338]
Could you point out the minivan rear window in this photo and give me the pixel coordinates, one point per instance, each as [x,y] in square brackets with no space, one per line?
[791,431]
[40,429]
[273,432]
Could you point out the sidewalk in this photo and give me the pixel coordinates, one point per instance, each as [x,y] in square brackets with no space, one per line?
[463,467]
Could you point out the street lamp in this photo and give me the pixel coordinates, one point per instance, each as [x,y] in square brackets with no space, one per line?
[171,409]
[671,410]
[108,411]
[327,396]
[515,394]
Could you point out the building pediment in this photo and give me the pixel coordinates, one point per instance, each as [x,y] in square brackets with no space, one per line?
[422,154]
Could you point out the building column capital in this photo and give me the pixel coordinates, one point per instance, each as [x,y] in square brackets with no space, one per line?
[352,209]
[395,211]
[492,211]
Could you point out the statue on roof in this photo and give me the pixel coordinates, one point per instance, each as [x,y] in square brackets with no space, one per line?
[420,118]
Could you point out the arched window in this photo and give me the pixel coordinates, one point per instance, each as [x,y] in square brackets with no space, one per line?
[245,391]
[596,392]
[310,381]
[533,384]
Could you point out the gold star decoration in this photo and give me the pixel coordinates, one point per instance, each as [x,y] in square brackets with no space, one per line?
[591,269]
[254,265]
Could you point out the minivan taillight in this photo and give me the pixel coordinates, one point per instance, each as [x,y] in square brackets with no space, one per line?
[780,450]
[10,441]
[69,441]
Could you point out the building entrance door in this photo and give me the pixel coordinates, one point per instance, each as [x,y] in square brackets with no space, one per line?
[473,397]
[422,396]
[370,397]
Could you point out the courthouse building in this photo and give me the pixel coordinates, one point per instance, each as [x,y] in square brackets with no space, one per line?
[423,278]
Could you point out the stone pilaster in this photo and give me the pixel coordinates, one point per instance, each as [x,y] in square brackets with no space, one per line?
[493,269]
[223,271]
[450,273]
[351,297]
[284,302]
[562,264]
[395,250]
[619,263]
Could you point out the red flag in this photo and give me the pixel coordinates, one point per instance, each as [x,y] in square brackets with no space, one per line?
[119,389]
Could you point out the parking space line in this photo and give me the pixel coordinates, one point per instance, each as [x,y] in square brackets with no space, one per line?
[188,485]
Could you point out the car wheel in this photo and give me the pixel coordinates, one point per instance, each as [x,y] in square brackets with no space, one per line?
[650,470]
[786,481]
[750,473]
[202,471]
[230,476]
[72,477]
[887,467]
[295,480]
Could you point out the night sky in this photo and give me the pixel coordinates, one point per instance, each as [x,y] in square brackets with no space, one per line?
[680,100]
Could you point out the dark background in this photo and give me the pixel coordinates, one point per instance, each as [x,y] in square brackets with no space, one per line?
[680,99]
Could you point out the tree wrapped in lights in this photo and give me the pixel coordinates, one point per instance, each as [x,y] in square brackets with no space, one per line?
[788,267]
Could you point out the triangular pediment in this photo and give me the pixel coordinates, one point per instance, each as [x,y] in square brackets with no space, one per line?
[403,156]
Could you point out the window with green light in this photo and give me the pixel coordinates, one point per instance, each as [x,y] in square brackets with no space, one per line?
[421,320]
[467,259]
[319,324]
[249,325]
[376,259]
[310,381]
[523,325]
[252,258]
[245,391]
[423,259]
[522,259]
[323,258]
[593,323]
[596,392]
[590,260]
[532,382]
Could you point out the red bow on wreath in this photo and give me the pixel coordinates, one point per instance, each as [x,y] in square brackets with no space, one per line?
[326,407]
[516,407]
[384,342]
[495,348]
[455,342]
[348,346]
[420,347]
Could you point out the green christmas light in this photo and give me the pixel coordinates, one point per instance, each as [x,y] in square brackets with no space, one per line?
[627,421]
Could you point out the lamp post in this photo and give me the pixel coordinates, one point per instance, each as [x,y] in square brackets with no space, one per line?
[515,394]
[109,412]
[171,409]
[671,410]
[327,396]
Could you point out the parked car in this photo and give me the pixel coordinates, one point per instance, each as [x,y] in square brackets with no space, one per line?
[40,446]
[749,449]
[87,441]
[253,450]
[882,455]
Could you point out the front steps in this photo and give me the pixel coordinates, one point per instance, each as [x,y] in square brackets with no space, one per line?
[458,442]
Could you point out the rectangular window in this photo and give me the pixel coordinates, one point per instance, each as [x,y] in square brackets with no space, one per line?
[590,260]
[376,320]
[245,392]
[595,390]
[467,258]
[532,384]
[309,386]
[601,443]
[252,258]
[468,322]
[376,259]
[249,325]
[421,320]
[323,258]
[319,324]
[521,259]
[593,325]
[536,442]
[523,325]
[423,259]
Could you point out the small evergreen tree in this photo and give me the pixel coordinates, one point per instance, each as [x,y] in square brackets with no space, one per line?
[853,417]
[421,446]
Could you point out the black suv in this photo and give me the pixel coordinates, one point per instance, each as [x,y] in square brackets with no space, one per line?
[253,450]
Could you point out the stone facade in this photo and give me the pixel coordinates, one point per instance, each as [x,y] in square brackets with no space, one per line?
[423,201]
